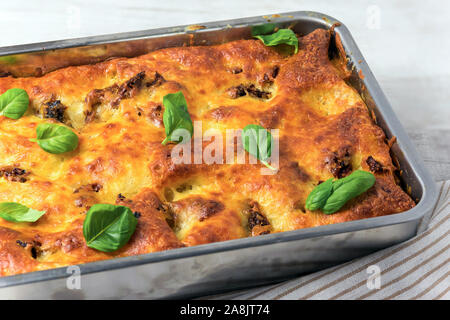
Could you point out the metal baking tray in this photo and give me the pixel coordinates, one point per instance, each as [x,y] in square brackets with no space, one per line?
[217,267]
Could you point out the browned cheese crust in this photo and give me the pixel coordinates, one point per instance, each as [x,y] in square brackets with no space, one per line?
[116,109]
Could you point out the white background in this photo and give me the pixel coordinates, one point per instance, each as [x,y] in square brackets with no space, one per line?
[406,44]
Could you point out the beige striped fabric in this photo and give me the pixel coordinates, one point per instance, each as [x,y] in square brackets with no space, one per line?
[416,269]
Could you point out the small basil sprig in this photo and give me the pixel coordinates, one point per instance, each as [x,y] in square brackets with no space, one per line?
[108,227]
[9,60]
[14,103]
[55,139]
[286,36]
[263,29]
[176,116]
[330,196]
[348,188]
[16,212]
[318,197]
[258,142]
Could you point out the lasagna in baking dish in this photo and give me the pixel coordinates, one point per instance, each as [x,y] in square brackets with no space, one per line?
[116,110]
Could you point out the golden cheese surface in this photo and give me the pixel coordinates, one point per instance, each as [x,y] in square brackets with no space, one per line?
[115,108]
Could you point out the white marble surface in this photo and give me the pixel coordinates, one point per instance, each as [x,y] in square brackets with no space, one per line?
[406,43]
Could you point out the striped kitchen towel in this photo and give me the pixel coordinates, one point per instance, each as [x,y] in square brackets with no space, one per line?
[415,269]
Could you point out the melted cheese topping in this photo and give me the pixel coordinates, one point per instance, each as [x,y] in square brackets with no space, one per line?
[116,109]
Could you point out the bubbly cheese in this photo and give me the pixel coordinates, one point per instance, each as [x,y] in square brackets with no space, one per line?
[116,109]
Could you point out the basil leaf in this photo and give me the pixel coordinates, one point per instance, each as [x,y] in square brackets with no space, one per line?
[108,227]
[358,174]
[286,36]
[14,103]
[8,60]
[263,29]
[55,139]
[348,188]
[176,116]
[319,195]
[16,212]
[258,142]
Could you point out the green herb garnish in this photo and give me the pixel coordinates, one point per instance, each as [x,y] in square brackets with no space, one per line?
[263,29]
[330,196]
[55,138]
[318,197]
[14,103]
[108,227]
[282,36]
[258,142]
[8,60]
[176,116]
[16,212]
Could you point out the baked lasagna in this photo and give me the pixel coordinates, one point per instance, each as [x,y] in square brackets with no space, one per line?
[116,109]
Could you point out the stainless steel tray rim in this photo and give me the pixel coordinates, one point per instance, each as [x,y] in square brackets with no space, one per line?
[158,32]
